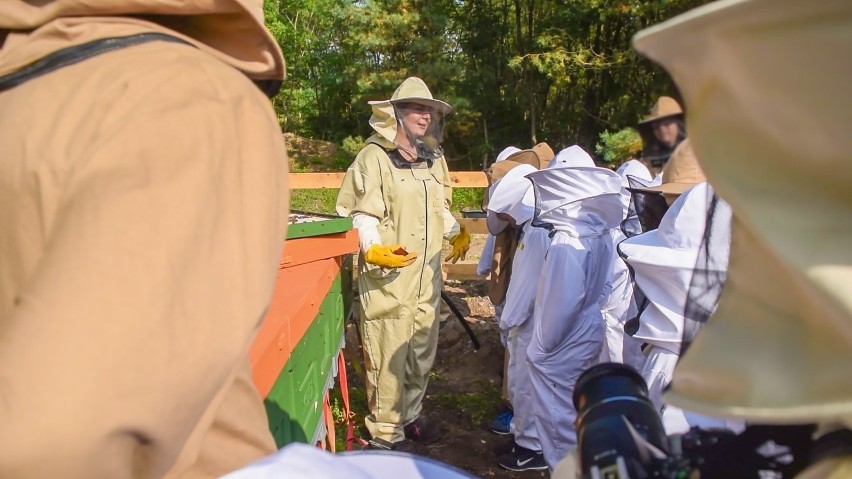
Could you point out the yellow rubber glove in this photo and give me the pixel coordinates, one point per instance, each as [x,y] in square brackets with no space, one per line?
[390,256]
[461,243]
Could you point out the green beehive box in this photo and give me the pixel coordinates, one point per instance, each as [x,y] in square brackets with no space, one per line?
[294,405]
[314,224]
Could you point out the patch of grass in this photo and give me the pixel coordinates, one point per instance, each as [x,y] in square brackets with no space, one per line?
[322,200]
[315,201]
[357,405]
[478,404]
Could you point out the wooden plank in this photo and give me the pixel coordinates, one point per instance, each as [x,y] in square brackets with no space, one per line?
[304,181]
[468,179]
[474,226]
[462,271]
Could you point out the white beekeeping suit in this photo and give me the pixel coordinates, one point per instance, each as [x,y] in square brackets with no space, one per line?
[484,265]
[620,306]
[663,261]
[516,321]
[581,205]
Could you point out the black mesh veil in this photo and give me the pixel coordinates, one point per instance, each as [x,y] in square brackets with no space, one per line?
[710,272]
[645,211]
[428,146]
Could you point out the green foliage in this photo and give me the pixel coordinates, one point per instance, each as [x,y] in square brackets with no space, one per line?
[323,200]
[620,146]
[516,72]
[357,405]
[351,145]
[467,199]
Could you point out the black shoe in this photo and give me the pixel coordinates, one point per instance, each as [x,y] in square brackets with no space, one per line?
[505,447]
[423,431]
[523,459]
[380,444]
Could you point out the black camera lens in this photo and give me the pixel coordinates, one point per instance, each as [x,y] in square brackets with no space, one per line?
[615,422]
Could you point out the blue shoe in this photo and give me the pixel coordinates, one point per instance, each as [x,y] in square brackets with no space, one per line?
[500,424]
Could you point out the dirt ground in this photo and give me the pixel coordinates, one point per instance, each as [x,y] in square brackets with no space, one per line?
[464,391]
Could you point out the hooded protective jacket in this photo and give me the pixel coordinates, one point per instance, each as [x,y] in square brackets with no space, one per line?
[143,195]
[409,203]
[517,316]
[580,205]
[663,261]
[620,306]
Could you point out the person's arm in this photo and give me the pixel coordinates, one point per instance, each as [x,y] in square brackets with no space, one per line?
[360,196]
[451,224]
[484,266]
[157,270]
[368,230]
[452,227]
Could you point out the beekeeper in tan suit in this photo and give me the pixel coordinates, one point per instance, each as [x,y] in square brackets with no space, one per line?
[143,200]
[397,191]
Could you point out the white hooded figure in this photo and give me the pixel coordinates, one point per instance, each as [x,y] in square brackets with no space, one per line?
[620,306]
[484,265]
[303,461]
[580,205]
[516,321]
[663,261]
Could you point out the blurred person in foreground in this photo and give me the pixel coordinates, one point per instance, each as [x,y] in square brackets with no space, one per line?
[144,201]
[398,193]
[777,349]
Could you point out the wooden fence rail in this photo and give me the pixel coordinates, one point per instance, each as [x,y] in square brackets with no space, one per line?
[459,179]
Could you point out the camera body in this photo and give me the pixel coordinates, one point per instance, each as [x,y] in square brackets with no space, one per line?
[620,435]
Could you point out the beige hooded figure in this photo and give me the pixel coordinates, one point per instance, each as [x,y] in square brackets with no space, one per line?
[397,191]
[143,198]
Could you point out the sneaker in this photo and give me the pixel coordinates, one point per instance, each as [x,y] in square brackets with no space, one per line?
[500,424]
[422,431]
[523,459]
[504,448]
[400,446]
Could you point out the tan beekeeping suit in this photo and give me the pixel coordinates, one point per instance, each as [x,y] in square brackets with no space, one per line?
[398,326]
[143,207]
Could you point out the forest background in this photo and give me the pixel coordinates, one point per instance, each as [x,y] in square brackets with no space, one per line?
[517,72]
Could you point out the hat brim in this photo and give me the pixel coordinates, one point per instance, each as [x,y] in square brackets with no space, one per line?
[495,225]
[671,189]
[500,169]
[649,120]
[525,157]
[438,105]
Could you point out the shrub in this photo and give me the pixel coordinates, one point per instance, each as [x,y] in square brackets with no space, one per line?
[620,146]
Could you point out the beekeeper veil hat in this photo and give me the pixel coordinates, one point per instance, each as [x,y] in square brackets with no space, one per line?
[412,95]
